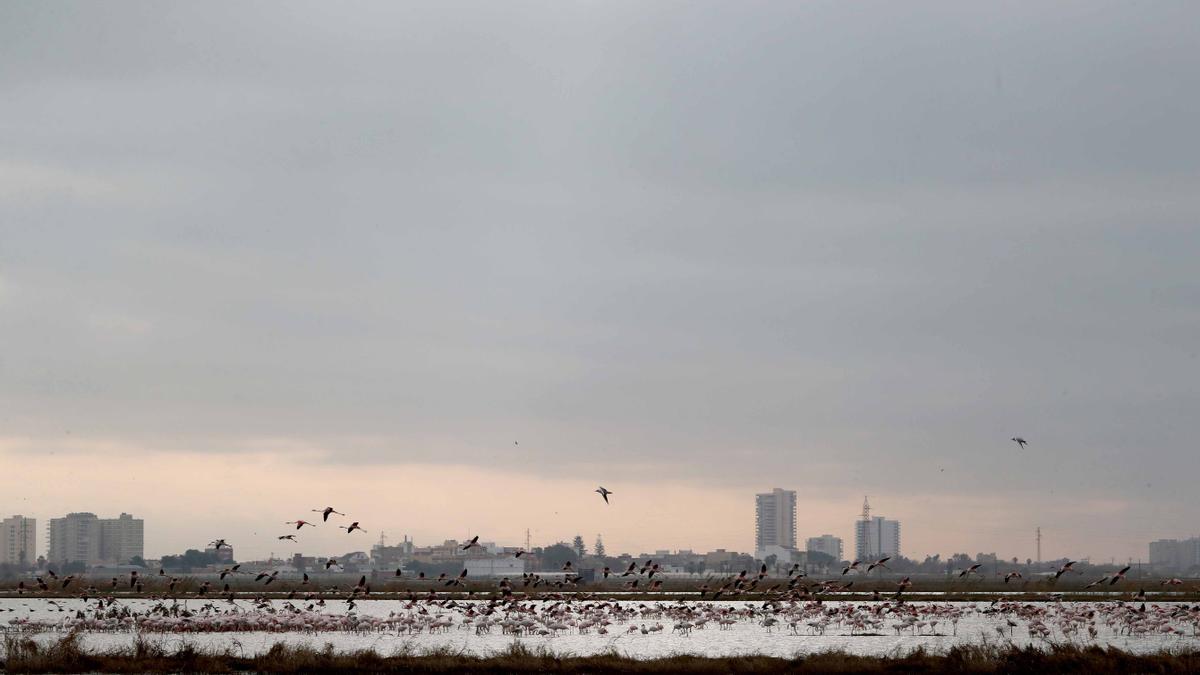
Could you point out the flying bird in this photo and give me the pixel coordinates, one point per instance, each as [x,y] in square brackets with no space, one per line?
[326,511]
[879,563]
[604,492]
[473,543]
[1119,575]
[1064,569]
[1020,441]
[353,526]
[290,537]
[299,523]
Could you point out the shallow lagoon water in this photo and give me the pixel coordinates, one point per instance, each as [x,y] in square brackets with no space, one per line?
[1172,630]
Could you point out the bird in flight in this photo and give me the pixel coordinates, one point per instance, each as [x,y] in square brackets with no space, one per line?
[604,492]
[1119,575]
[218,544]
[1064,569]
[299,523]
[353,526]
[973,569]
[879,563]
[1020,441]
[473,543]
[326,511]
[290,537]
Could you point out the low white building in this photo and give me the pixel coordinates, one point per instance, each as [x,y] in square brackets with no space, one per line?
[827,544]
[783,555]
[494,567]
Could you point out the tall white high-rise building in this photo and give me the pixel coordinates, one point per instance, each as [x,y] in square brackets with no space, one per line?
[827,544]
[121,539]
[82,537]
[74,538]
[775,519]
[18,541]
[876,537]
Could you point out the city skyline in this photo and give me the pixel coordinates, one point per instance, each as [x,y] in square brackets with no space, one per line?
[334,542]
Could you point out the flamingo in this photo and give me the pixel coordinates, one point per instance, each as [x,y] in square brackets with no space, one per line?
[879,563]
[326,511]
[1064,569]
[1020,441]
[299,523]
[604,492]
[353,526]
[290,537]
[973,569]
[472,543]
[1119,575]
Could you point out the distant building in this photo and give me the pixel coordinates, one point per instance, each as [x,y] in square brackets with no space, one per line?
[82,537]
[876,537]
[494,567]
[775,519]
[384,556]
[74,538]
[827,544]
[18,540]
[1175,554]
[121,539]
[783,556]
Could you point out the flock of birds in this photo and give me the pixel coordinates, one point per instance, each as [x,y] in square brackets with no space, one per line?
[327,511]
[743,583]
[791,605]
[1059,621]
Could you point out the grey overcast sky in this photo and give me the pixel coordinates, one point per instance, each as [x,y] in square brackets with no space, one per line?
[270,255]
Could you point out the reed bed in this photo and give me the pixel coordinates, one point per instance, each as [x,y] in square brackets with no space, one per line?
[67,656]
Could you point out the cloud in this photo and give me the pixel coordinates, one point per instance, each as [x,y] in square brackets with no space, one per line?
[794,244]
[30,184]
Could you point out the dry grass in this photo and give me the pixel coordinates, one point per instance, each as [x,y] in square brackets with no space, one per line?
[66,656]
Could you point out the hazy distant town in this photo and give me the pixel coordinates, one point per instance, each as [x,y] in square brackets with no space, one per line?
[83,542]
